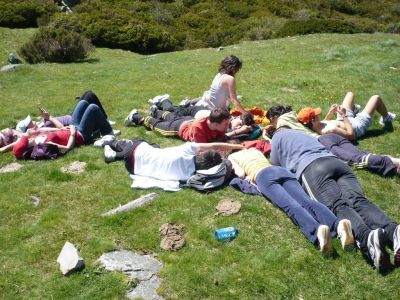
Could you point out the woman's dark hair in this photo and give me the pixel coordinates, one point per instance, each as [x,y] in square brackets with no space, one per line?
[278,110]
[218,115]
[247,118]
[229,64]
[207,160]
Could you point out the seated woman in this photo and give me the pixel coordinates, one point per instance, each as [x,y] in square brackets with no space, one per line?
[223,88]
[278,185]
[86,120]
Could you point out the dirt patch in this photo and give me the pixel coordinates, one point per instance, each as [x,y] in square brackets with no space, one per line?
[10,168]
[172,236]
[75,167]
[227,207]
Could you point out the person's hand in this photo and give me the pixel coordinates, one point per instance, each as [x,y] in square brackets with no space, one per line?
[341,110]
[45,114]
[333,108]
[72,128]
[31,131]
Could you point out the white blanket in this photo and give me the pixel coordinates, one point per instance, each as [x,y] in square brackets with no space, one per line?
[144,182]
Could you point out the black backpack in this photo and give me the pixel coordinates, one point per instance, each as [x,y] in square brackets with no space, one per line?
[210,179]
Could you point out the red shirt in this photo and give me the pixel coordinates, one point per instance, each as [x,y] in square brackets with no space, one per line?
[61,137]
[198,131]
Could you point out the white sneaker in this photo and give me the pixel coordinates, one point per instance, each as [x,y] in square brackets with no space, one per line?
[128,120]
[376,249]
[109,154]
[396,246]
[158,99]
[388,119]
[345,235]
[102,142]
[324,241]
[116,132]
[111,122]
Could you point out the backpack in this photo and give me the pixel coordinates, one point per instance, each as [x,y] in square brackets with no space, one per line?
[210,179]
[42,151]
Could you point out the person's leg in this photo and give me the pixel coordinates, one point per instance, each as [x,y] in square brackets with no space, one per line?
[165,128]
[375,103]
[349,101]
[319,180]
[91,98]
[92,120]
[78,112]
[268,182]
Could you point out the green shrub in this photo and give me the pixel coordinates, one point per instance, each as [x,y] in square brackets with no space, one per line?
[24,13]
[55,45]
[300,27]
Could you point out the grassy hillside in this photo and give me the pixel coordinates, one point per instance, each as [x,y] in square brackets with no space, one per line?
[270,258]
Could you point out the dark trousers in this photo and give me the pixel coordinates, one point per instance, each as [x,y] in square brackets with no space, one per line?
[91,97]
[281,187]
[168,127]
[179,111]
[88,118]
[332,182]
[345,150]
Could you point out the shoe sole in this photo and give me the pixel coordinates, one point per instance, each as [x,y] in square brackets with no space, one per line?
[382,259]
[347,239]
[127,121]
[397,259]
[326,249]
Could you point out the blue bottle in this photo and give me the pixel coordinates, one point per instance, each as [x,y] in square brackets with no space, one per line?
[226,234]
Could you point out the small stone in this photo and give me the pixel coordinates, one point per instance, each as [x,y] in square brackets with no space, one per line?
[227,207]
[8,68]
[10,168]
[70,260]
[75,167]
[36,200]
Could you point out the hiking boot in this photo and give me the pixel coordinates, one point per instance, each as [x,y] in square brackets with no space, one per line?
[376,250]
[104,140]
[345,235]
[128,120]
[396,246]
[109,154]
[324,241]
[388,120]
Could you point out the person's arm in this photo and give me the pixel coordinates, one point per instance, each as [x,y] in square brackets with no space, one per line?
[239,171]
[347,132]
[219,146]
[333,109]
[232,94]
[241,130]
[71,140]
[20,146]
[7,147]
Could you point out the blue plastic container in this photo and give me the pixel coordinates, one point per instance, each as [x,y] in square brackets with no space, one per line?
[226,234]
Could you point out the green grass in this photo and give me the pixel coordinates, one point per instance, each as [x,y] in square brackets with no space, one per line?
[269,259]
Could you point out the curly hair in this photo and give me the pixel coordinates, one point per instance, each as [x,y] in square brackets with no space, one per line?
[206,160]
[218,115]
[229,64]
[247,118]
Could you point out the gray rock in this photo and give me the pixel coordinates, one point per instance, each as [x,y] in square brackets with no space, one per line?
[8,68]
[141,267]
[69,259]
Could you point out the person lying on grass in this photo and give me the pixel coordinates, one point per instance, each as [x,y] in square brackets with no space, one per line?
[173,163]
[341,147]
[280,186]
[86,120]
[350,122]
[329,180]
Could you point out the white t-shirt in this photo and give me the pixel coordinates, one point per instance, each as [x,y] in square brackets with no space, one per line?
[173,163]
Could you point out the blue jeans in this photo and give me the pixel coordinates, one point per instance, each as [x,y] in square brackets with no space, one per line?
[281,187]
[88,118]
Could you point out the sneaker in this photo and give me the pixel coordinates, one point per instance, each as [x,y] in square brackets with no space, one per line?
[345,235]
[109,154]
[384,121]
[116,132]
[153,110]
[396,246]
[111,122]
[128,120]
[158,99]
[185,102]
[324,241]
[104,140]
[376,249]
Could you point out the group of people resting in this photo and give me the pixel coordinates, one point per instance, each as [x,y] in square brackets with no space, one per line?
[306,174]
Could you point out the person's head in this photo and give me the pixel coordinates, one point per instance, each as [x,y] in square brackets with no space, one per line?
[274,112]
[309,116]
[206,160]
[7,137]
[219,119]
[230,65]
[247,119]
